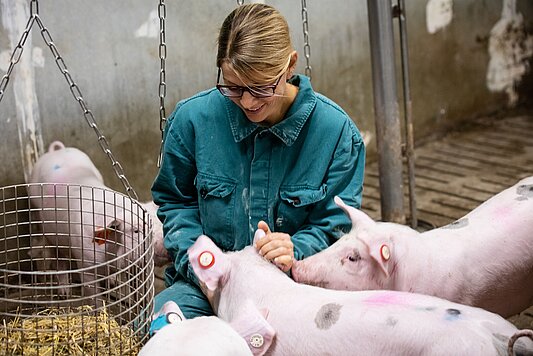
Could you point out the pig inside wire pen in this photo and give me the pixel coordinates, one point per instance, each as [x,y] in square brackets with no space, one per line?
[76,271]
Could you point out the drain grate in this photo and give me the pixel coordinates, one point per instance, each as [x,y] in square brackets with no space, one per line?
[457,173]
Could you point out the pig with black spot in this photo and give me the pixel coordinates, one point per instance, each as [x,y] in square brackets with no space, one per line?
[315,321]
[484,259]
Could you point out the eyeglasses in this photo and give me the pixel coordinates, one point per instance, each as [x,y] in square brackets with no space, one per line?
[236,91]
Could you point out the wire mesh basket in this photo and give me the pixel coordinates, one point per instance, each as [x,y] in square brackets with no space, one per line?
[76,271]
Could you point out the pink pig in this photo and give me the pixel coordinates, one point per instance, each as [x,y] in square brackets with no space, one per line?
[484,259]
[161,256]
[82,235]
[314,321]
[210,335]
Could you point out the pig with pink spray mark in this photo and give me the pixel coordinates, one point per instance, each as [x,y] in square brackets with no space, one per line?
[83,222]
[484,259]
[310,320]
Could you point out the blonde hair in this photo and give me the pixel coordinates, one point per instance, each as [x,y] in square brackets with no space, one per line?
[254,41]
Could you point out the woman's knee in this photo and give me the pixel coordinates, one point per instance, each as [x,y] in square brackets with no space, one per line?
[188,297]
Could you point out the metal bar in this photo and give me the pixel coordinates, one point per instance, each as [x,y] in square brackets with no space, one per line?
[409,135]
[388,132]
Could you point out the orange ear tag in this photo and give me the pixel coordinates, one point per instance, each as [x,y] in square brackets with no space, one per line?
[385,252]
[206,259]
[100,237]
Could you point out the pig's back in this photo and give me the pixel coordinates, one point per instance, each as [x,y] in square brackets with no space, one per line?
[383,322]
[67,165]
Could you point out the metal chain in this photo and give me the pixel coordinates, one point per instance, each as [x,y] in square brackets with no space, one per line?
[19,48]
[89,117]
[74,89]
[240,2]
[162,10]
[15,56]
[307,47]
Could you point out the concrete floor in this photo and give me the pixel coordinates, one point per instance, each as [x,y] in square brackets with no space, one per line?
[455,174]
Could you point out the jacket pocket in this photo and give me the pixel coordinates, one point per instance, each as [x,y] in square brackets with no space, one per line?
[295,205]
[216,202]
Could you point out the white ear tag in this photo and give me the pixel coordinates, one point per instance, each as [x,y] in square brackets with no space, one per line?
[256,340]
[206,259]
[385,252]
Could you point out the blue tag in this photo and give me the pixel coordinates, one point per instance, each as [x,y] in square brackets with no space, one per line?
[158,323]
[164,320]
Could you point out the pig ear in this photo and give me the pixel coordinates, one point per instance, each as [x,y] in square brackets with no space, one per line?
[169,306]
[112,232]
[357,217]
[56,146]
[252,325]
[208,261]
[381,252]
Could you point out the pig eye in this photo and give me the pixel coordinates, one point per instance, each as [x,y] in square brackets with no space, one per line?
[355,256]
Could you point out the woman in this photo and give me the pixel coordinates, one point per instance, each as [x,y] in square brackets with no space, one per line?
[261,150]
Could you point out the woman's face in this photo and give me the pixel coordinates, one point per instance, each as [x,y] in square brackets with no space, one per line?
[265,111]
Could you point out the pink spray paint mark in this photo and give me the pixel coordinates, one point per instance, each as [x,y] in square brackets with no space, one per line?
[385,299]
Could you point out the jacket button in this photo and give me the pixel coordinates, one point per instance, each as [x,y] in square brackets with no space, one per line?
[296,201]
[203,193]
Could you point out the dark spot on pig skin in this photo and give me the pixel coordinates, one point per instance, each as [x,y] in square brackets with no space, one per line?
[457,224]
[452,314]
[327,315]
[524,191]
[429,309]
[391,321]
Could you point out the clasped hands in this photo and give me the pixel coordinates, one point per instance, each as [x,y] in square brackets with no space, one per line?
[275,247]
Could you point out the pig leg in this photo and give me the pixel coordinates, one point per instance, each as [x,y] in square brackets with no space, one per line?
[188,296]
[47,257]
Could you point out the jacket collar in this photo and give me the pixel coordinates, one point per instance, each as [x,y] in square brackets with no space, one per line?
[288,129]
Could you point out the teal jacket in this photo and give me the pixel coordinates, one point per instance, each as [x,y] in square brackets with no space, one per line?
[221,174]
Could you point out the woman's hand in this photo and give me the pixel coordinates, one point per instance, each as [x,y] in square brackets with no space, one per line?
[276,247]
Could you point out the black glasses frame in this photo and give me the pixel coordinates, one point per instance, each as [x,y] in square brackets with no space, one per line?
[236,91]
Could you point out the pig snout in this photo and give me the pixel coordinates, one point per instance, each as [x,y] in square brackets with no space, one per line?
[307,273]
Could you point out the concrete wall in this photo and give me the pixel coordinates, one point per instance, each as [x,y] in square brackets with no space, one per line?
[111,51]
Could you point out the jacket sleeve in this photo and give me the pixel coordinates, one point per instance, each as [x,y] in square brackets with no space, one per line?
[174,192]
[344,178]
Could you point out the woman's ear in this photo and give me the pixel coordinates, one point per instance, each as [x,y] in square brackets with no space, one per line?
[292,64]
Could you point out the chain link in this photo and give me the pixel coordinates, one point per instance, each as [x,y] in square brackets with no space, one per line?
[76,93]
[34,8]
[162,10]
[307,47]
[240,2]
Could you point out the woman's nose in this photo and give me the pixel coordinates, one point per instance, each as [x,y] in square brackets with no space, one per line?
[248,100]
